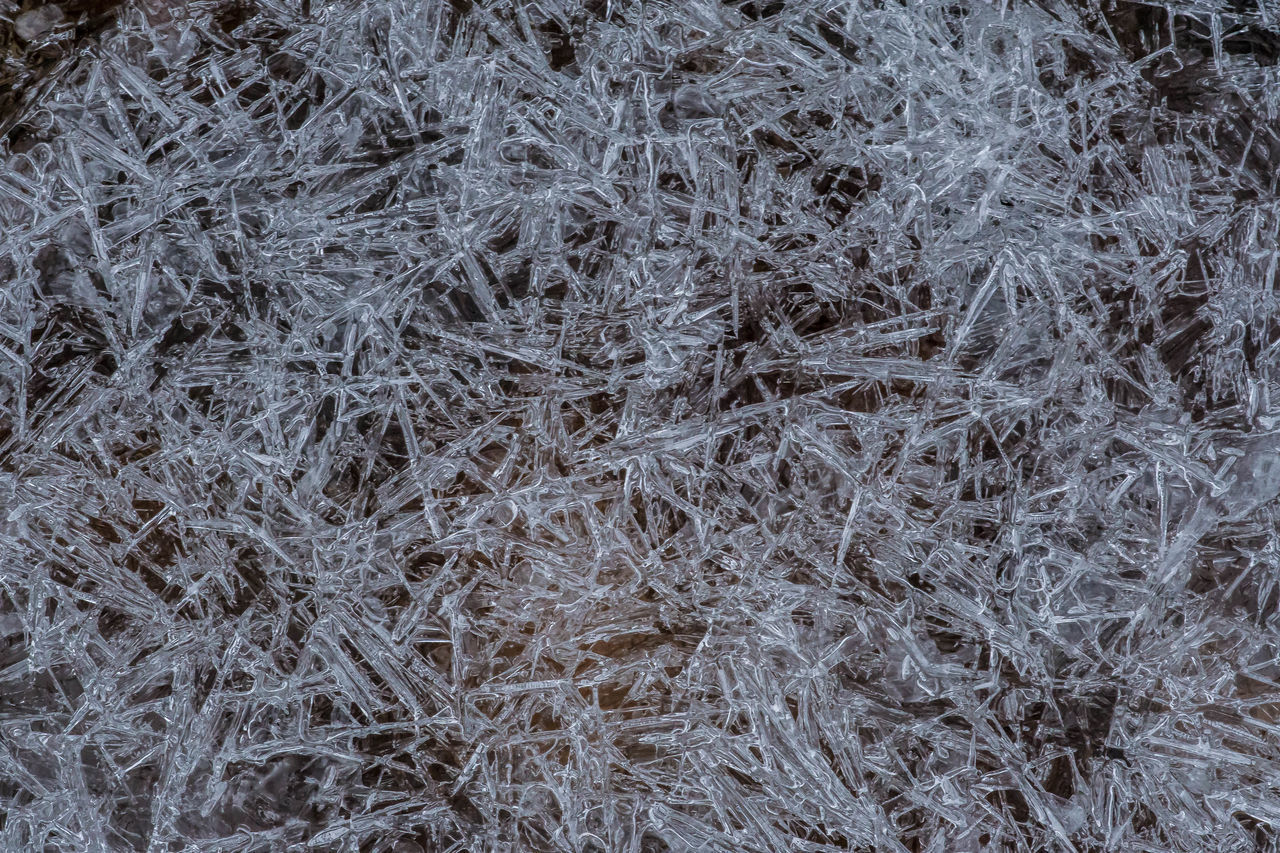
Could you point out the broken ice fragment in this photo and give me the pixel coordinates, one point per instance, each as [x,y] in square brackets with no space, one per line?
[693,103]
[37,22]
[1257,479]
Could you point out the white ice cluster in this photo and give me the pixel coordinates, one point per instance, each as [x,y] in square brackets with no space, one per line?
[641,426]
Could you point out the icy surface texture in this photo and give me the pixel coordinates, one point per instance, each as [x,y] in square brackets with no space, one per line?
[524,425]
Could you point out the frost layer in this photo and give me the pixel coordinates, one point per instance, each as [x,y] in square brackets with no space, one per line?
[642,426]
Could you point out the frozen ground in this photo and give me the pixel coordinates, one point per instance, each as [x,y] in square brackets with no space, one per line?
[651,427]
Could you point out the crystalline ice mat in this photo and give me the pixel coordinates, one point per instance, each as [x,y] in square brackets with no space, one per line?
[639,426]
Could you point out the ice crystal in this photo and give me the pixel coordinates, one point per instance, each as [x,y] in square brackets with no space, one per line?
[596,425]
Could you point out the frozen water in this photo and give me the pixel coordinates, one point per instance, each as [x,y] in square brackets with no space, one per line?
[37,22]
[593,425]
